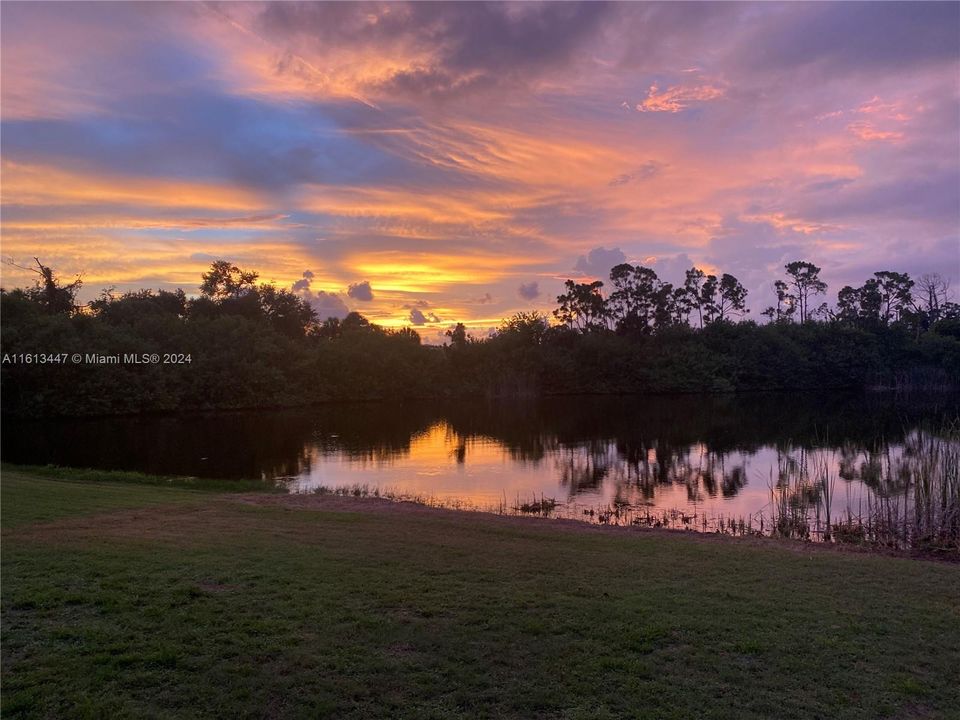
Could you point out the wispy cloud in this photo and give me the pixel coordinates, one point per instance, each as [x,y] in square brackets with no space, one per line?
[677,98]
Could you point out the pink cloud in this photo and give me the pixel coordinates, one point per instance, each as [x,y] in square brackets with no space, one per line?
[868,131]
[677,97]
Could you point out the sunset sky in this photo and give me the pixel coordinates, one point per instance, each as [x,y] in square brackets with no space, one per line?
[433,163]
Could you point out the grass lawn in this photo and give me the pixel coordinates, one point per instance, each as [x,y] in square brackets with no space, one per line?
[127,598]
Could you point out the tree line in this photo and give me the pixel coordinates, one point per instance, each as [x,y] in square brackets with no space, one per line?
[253,344]
[641,303]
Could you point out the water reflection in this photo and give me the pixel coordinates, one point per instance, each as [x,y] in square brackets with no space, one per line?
[727,457]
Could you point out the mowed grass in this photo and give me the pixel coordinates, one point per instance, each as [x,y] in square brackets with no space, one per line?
[138,600]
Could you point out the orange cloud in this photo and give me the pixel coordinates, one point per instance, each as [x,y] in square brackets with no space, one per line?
[43,185]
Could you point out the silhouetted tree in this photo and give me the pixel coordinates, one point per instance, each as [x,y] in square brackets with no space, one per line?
[329,329]
[48,292]
[134,307]
[458,335]
[529,327]
[804,279]
[786,305]
[731,298]
[224,280]
[681,304]
[408,334]
[288,313]
[932,294]
[693,286]
[859,306]
[895,294]
[881,300]
[665,312]
[640,302]
[354,322]
[582,306]
[633,298]
[708,299]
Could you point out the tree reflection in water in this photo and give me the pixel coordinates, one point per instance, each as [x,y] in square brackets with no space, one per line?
[732,456]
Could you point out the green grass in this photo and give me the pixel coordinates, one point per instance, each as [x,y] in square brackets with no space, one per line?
[34,495]
[135,600]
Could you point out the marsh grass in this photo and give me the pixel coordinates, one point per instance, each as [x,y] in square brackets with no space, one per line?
[917,498]
[912,497]
[544,506]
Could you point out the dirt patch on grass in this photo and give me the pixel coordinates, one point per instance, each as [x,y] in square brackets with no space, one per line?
[168,523]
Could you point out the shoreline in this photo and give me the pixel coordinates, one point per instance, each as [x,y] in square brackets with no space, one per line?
[330,502]
[858,391]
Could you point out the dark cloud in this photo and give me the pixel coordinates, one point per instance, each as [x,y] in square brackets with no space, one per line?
[325,304]
[361,291]
[597,262]
[850,37]
[419,303]
[303,284]
[417,317]
[529,291]
[674,34]
[466,46]
[929,196]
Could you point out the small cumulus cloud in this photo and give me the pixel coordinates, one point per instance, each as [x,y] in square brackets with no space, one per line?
[670,268]
[325,304]
[529,291]
[360,291]
[418,318]
[329,305]
[303,284]
[484,299]
[597,262]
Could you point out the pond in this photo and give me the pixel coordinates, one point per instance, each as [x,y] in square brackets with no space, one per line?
[795,463]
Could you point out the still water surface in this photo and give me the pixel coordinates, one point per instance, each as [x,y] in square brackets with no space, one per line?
[689,461]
